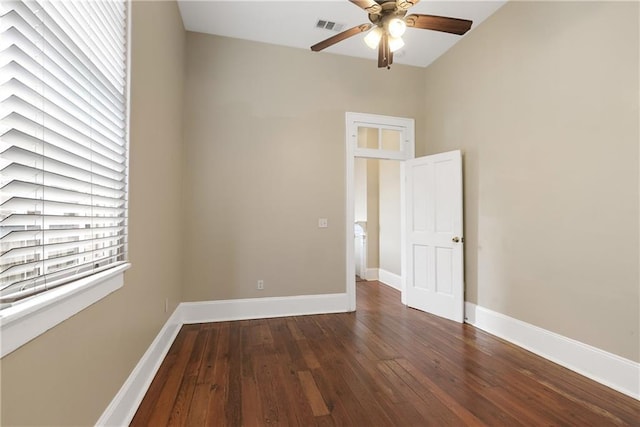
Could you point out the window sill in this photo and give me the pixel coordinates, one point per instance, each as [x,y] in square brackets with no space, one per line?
[26,321]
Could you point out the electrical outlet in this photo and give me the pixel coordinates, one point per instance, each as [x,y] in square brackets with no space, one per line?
[260,285]
[323,223]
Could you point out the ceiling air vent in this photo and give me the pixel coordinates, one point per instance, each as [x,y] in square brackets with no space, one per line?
[329,25]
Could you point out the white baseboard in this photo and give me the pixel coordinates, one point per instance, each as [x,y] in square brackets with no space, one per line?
[606,368]
[390,279]
[372,274]
[124,405]
[262,308]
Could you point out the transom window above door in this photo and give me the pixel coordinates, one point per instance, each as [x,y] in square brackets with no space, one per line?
[380,138]
[387,139]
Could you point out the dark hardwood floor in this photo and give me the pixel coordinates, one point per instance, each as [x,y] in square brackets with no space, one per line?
[384,365]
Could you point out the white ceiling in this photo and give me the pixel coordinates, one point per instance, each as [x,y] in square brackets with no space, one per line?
[293,23]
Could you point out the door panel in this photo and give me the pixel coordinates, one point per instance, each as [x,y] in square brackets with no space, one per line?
[433,224]
[420,208]
[444,271]
[421,272]
[444,196]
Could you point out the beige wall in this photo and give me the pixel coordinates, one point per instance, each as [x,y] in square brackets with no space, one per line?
[360,189]
[373,214]
[68,375]
[543,101]
[389,202]
[265,158]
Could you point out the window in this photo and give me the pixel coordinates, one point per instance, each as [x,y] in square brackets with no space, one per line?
[63,144]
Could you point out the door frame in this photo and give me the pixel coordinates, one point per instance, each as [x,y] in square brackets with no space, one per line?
[352,120]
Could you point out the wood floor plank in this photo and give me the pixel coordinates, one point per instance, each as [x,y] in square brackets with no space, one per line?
[232,407]
[219,380]
[197,415]
[583,408]
[286,346]
[164,404]
[290,362]
[148,404]
[422,386]
[182,403]
[309,357]
[431,411]
[367,387]
[564,381]
[251,404]
[293,405]
[318,406]
[273,412]
[384,365]
[295,331]
[345,410]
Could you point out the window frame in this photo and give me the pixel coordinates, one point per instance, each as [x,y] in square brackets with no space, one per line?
[27,320]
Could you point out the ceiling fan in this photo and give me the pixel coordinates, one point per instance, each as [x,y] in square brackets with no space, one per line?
[389,23]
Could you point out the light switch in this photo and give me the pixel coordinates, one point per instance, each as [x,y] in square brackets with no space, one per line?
[323,223]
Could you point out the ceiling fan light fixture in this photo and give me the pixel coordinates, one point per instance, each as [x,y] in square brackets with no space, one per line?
[373,38]
[395,43]
[396,27]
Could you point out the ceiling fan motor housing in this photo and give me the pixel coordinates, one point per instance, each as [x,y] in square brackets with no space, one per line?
[390,10]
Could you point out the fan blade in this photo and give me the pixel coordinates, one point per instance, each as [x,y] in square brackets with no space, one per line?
[341,36]
[370,6]
[405,4]
[439,23]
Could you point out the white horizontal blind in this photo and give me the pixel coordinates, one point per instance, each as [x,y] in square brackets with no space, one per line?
[63,143]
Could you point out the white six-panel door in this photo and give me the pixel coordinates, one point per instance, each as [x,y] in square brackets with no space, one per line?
[433,240]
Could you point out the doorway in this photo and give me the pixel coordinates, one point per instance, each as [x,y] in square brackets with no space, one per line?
[371,136]
[377,230]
